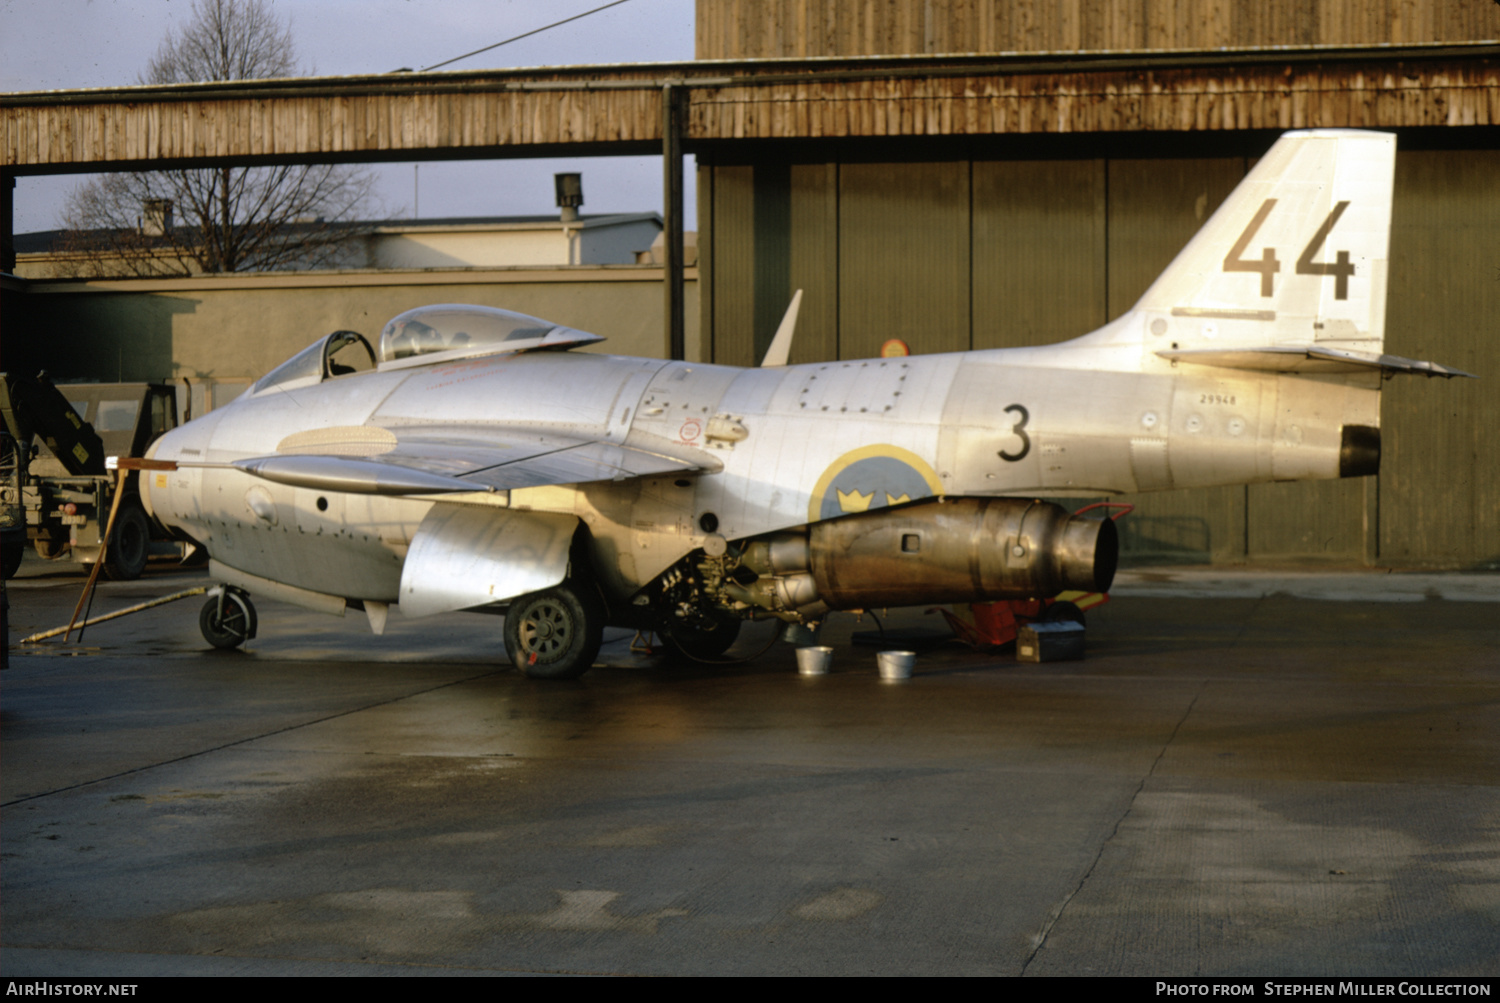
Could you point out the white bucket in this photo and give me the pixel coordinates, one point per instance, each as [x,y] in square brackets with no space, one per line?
[814,660]
[895,665]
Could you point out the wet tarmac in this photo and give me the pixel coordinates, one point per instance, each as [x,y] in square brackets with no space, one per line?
[1240,779]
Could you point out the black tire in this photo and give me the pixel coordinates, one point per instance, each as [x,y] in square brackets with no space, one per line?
[10,556]
[49,550]
[555,633]
[234,628]
[702,645]
[1061,611]
[129,544]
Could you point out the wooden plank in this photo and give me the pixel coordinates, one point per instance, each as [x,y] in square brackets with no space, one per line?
[1369,95]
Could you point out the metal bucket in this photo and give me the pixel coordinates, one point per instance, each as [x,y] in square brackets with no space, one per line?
[895,665]
[814,660]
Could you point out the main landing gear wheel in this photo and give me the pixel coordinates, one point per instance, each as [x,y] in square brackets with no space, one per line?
[129,544]
[701,644]
[555,633]
[227,620]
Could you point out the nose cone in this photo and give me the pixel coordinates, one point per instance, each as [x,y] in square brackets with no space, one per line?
[168,495]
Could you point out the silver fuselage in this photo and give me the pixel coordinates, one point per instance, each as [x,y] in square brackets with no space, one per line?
[778,447]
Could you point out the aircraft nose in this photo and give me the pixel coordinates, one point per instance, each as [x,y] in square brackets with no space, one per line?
[165,494]
[182,443]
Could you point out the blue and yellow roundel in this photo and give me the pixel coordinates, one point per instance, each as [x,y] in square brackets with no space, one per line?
[869,478]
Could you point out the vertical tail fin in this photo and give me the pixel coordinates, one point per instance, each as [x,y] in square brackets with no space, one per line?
[1295,257]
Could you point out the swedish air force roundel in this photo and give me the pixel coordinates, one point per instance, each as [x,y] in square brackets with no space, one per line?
[870,478]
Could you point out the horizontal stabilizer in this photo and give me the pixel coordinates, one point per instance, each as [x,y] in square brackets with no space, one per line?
[1308,359]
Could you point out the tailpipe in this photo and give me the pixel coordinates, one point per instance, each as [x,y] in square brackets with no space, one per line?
[966,550]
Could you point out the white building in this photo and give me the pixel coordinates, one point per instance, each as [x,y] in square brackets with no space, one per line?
[461,242]
[512,240]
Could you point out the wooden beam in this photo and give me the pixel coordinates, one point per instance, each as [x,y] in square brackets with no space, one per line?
[674,314]
[585,111]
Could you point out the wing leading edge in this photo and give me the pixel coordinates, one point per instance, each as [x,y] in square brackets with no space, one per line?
[434,460]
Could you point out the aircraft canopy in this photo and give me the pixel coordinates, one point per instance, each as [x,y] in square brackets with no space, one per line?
[455,330]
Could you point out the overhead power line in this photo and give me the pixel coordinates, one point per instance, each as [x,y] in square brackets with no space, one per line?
[528,34]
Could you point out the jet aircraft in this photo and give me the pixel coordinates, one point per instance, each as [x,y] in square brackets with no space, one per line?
[473,461]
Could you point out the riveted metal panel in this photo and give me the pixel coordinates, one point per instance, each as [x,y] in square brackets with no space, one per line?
[1039,265]
[903,257]
[1440,469]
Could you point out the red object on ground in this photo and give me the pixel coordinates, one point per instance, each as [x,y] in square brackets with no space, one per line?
[992,624]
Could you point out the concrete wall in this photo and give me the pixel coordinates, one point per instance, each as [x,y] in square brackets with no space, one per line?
[237,327]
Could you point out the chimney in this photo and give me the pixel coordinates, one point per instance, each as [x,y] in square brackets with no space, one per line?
[156,217]
[569,195]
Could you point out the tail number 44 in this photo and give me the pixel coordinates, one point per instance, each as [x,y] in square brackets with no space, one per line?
[1267,265]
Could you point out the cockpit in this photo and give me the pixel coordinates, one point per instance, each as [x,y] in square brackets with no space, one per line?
[341,353]
[423,336]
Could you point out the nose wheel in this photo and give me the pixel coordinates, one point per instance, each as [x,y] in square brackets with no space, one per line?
[227,619]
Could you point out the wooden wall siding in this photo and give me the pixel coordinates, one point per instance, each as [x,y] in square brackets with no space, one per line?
[814,260]
[335,120]
[1440,481]
[903,257]
[801,29]
[1039,251]
[1251,97]
[773,251]
[270,125]
[731,299]
[1155,208]
[1328,520]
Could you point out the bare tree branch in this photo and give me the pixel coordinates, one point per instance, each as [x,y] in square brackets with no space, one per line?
[223,219]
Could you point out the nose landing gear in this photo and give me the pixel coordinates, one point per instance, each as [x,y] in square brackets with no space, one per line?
[228,618]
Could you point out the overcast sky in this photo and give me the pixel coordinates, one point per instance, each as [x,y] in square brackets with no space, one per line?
[59,44]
